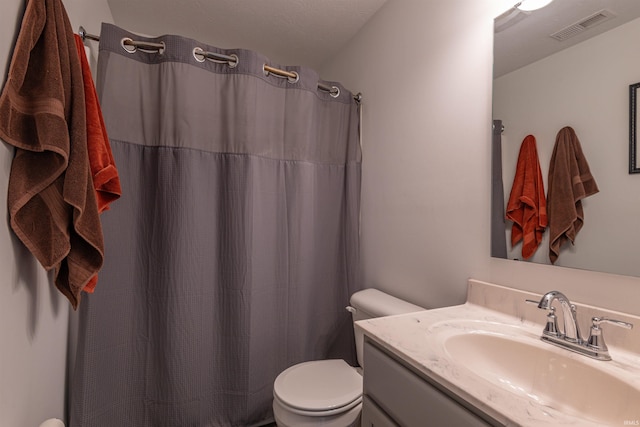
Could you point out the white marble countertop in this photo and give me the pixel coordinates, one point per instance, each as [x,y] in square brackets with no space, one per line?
[416,339]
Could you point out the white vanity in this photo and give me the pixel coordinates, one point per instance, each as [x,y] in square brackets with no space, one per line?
[396,394]
[483,363]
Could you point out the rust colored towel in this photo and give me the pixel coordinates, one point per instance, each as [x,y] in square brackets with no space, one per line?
[527,206]
[52,204]
[103,168]
[570,181]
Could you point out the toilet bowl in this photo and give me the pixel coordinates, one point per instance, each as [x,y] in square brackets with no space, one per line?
[52,422]
[328,393]
[323,391]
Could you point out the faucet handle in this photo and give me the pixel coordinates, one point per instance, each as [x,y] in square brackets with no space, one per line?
[551,328]
[598,320]
[596,339]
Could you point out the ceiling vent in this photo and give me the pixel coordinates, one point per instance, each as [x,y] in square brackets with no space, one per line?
[583,25]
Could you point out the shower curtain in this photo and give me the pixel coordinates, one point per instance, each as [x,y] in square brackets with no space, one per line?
[233,250]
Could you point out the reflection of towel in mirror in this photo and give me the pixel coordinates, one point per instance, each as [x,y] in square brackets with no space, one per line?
[527,206]
[570,181]
[51,200]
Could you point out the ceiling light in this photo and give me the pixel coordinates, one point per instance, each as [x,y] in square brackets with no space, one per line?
[517,13]
[529,5]
[508,18]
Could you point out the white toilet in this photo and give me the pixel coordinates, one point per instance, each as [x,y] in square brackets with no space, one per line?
[328,393]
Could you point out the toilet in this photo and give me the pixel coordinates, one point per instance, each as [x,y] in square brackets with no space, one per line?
[328,393]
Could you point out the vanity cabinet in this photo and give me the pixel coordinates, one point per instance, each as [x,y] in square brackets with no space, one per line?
[373,416]
[394,395]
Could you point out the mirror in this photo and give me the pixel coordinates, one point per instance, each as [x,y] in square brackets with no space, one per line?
[572,63]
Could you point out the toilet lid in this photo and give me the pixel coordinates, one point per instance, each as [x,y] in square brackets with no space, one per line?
[319,385]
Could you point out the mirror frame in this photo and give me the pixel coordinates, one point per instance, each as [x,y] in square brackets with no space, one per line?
[633,120]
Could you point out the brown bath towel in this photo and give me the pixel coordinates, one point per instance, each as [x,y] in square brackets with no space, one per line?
[51,200]
[527,206]
[570,181]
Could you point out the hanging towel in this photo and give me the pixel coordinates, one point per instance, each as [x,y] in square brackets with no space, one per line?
[51,200]
[103,168]
[527,206]
[106,182]
[570,181]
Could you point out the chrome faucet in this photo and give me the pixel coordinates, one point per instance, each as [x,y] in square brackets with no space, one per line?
[570,337]
[571,329]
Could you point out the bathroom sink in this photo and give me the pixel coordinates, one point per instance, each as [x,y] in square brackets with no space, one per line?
[552,377]
[488,356]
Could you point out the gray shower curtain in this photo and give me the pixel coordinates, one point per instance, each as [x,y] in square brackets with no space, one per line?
[233,250]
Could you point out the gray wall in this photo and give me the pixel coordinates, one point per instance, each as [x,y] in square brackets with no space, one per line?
[425,69]
[33,315]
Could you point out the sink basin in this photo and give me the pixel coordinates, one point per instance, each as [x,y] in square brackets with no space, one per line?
[550,376]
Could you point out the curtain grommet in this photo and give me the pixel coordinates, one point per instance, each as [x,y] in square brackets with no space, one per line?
[295,79]
[291,76]
[131,46]
[334,92]
[233,64]
[198,54]
[127,45]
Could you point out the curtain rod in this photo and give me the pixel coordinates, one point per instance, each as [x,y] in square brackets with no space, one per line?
[231,60]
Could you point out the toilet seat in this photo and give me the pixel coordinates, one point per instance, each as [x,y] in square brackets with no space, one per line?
[319,388]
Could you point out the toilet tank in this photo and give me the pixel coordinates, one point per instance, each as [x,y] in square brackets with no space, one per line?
[371,303]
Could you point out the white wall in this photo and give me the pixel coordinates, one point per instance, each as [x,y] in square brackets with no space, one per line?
[33,315]
[591,94]
[425,69]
